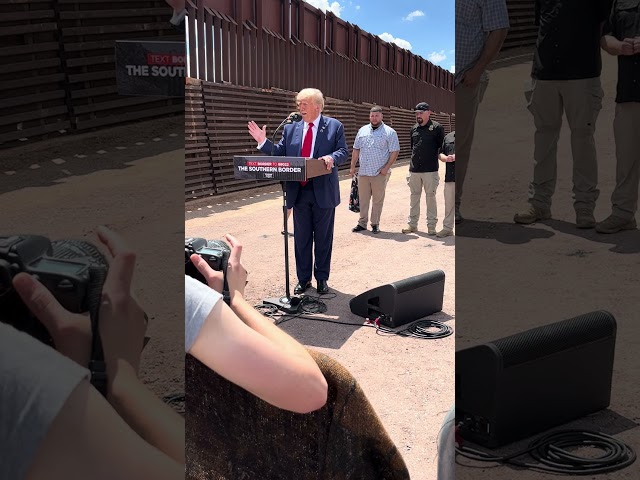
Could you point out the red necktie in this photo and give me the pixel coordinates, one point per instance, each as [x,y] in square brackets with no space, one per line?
[306,147]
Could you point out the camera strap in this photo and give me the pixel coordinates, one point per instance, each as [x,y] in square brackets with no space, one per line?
[97,365]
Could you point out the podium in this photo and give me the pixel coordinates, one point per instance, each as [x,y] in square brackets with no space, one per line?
[284,169]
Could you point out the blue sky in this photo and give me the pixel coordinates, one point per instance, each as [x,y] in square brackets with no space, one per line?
[426,28]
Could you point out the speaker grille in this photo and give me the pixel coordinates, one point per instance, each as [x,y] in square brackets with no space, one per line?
[549,339]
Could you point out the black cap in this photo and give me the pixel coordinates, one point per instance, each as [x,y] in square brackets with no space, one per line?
[422,107]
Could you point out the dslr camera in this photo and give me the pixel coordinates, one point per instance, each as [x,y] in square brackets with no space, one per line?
[72,270]
[214,252]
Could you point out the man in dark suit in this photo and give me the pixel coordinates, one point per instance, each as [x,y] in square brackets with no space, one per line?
[313,202]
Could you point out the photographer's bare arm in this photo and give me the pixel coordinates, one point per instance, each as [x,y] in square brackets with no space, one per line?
[122,328]
[246,348]
[89,440]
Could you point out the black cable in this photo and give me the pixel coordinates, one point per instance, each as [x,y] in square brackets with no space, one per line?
[422,329]
[554,454]
[312,305]
[176,401]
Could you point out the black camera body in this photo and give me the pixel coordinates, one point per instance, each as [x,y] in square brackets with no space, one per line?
[64,267]
[214,252]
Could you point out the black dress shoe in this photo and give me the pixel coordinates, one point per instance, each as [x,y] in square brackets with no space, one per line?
[375,229]
[301,287]
[322,287]
[358,228]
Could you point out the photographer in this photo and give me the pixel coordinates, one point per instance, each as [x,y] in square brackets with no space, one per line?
[243,346]
[54,423]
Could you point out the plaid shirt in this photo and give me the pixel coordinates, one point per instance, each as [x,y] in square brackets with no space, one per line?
[375,148]
[475,19]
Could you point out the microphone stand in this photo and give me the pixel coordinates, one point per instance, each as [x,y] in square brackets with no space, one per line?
[287,303]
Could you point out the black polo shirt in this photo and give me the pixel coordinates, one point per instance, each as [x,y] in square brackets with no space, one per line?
[624,22]
[449,148]
[568,45]
[426,144]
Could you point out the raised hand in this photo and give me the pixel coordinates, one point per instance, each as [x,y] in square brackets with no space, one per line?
[259,135]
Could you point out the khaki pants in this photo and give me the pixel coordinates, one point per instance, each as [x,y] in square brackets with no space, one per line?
[467,102]
[371,188]
[429,183]
[449,204]
[626,126]
[581,101]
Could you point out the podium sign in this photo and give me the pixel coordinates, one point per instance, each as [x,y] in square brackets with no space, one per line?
[287,169]
[150,68]
[270,168]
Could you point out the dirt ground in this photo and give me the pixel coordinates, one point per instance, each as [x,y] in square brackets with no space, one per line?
[124,179]
[408,381]
[511,278]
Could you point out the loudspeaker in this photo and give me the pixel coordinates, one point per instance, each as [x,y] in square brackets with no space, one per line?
[521,385]
[402,301]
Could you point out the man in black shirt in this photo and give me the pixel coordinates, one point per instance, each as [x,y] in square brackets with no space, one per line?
[426,142]
[622,38]
[448,156]
[566,77]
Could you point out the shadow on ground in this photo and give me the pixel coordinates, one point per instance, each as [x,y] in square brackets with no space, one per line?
[34,167]
[509,233]
[623,242]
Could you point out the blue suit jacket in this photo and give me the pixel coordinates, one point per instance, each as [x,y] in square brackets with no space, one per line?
[329,141]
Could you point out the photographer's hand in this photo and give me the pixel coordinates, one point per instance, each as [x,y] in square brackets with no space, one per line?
[122,322]
[214,278]
[122,319]
[236,273]
[71,332]
[122,329]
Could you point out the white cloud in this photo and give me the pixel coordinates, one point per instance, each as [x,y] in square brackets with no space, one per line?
[387,37]
[324,5]
[357,7]
[436,57]
[414,14]
[452,69]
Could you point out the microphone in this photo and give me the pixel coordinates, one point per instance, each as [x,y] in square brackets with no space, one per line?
[292,117]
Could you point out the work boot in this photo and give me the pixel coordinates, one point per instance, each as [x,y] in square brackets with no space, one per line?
[409,229]
[585,218]
[613,224]
[532,214]
[445,232]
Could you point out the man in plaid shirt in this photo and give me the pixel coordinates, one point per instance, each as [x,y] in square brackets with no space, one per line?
[377,147]
[481,27]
